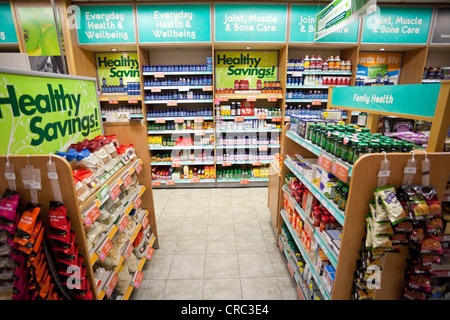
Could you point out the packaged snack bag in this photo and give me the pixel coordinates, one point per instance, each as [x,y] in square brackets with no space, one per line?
[58,218]
[412,196]
[8,207]
[389,201]
[27,221]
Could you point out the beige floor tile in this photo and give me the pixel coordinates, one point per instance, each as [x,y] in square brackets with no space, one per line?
[260,289]
[191,245]
[279,264]
[222,289]
[167,245]
[250,243]
[288,288]
[219,266]
[187,266]
[253,265]
[183,289]
[217,244]
[200,213]
[169,227]
[220,213]
[149,290]
[220,227]
[158,267]
[244,213]
[194,228]
[247,227]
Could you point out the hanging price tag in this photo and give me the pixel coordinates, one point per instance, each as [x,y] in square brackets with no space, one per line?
[128,251]
[272,99]
[325,162]
[224,98]
[111,284]
[226,163]
[113,101]
[256,163]
[183,88]
[159,75]
[160,120]
[316,102]
[170,182]
[297,74]
[426,172]
[132,100]
[114,191]
[207,88]
[145,222]
[138,167]
[239,119]
[137,202]
[409,171]
[137,279]
[179,120]
[149,254]
[340,170]
[122,223]
[263,148]
[156,89]
[261,116]
[195,180]
[244,181]
[127,179]
[251,98]
[156,183]
[104,249]
[276,119]
[90,215]
[198,120]
[171,103]
[176,164]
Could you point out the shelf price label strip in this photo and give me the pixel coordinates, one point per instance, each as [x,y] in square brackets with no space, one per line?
[322,199]
[306,257]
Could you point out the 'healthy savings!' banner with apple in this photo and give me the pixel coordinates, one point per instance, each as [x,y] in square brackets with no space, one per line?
[40,114]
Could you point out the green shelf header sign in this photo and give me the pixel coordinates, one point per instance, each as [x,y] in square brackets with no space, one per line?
[7,29]
[397,25]
[412,99]
[250,22]
[302,24]
[106,25]
[174,23]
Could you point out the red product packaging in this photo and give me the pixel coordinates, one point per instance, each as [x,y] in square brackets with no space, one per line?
[58,218]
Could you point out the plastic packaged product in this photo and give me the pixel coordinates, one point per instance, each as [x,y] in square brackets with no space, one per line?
[148,234]
[379,213]
[435,225]
[27,222]
[119,240]
[112,260]
[412,196]
[8,207]
[389,201]
[58,218]
[132,263]
[94,231]
[431,244]
[124,279]
[90,161]
[430,195]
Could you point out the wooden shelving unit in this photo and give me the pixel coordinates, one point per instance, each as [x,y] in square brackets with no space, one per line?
[363,179]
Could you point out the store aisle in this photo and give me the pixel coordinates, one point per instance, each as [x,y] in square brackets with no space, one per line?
[215,244]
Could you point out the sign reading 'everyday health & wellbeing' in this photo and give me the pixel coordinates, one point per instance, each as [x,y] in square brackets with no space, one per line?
[7,30]
[250,22]
[174,23]
[402,25]
[245,65]
[42,114]
[412,99]
[303,21]
[106,25]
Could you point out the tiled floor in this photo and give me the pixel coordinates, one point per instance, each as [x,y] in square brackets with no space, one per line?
[215,244]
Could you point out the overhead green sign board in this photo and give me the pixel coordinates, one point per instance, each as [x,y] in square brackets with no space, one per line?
[112,24]
[40,113]
[413,99]
[250,22]
[302,26]
[341,13]
[397,25]
[174,23]
[7,30]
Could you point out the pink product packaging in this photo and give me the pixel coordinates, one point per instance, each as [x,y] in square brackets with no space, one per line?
[8,207]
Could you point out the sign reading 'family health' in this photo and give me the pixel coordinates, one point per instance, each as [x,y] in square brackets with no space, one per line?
[174,23]
[252,23]
[397,25]
[106,25]
[303,21]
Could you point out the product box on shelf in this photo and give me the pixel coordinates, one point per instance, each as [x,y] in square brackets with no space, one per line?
[395,124]
[329,273]
[331,114]
[327,182]
[333,238]
[303,126]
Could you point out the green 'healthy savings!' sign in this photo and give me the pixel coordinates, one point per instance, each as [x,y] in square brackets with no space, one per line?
[397,25]
[174,23]
[106,25]
[40,114]
[250,23]
[7,30]
[303,21]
